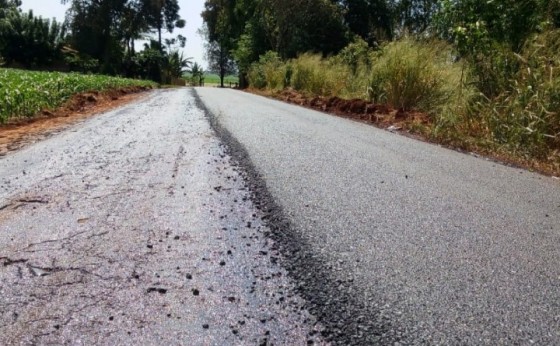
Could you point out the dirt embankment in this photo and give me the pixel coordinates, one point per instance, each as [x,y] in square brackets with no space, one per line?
[358,109]
[20,132]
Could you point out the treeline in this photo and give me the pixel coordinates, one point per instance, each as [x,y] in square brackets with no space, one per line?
[97,36]
[486,73]
[243,30]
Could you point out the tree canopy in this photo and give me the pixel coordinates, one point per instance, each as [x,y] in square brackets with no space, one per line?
[246,29]
[28,40]
[97,36]
[100,28]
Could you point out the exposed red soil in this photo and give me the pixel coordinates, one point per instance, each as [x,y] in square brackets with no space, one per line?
[378,114]
[21,132]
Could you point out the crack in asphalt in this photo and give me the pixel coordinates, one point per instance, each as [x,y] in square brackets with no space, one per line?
[8,261]
[61,240]
[21,202]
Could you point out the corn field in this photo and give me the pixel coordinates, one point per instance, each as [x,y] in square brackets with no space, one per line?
[26,93]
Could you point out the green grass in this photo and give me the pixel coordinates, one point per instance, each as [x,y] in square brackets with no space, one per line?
[26,93]
[212,78]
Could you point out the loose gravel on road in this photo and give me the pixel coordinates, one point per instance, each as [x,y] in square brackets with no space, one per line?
[135,228]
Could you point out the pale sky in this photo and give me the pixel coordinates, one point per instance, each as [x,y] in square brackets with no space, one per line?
[190,11]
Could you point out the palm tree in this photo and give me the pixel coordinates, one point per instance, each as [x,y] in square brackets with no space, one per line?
[197,74]
[175,66]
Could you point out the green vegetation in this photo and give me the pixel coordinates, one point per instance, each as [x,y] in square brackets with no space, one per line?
[28,40]
[520,113]
[26,93]
[405,75]
[106,31]
[196,75]
[96,37]
[211,79]
[484,73]
[214,79]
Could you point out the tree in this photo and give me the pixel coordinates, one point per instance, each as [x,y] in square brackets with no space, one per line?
[96,30]
[163,14]
[504,21]
[369,19]
[197,74]
[133,24]
[490,35]
[220,35]
[175,65]
[250,45]
[176,42]
[243,30]
[106,30]
[295,27]
[414,16]
[28,40]
[219,60]
[9,5]
[8,10]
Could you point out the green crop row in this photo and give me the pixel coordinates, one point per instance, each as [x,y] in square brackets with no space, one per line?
[26,93]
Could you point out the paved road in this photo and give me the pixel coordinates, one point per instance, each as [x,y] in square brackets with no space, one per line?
[391,240]
[134,228]
[222,218]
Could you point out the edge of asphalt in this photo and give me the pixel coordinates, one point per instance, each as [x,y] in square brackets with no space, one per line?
[346,319]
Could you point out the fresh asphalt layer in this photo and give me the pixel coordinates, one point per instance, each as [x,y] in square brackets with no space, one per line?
[395,241]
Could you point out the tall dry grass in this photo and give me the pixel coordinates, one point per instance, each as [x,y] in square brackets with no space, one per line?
[404,74]
[408,75]
[496,101]
[313,75]
[525,115]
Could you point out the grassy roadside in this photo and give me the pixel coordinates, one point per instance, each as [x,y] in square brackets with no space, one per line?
[27,93]
[509,113]
[211,79]
[412,124]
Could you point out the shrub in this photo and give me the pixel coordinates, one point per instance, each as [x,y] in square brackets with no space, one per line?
[268,72]
[314,75]
[356,55]
[256,76]
[410,75]
[492,69]
[525,115]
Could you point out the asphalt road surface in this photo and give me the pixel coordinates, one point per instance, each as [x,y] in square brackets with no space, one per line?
[133,228]
[216,217]
[398,241]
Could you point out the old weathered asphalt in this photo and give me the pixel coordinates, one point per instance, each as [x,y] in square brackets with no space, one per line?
[216,217]
[134,228]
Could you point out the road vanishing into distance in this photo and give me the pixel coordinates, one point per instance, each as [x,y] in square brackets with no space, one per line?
[215,217]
